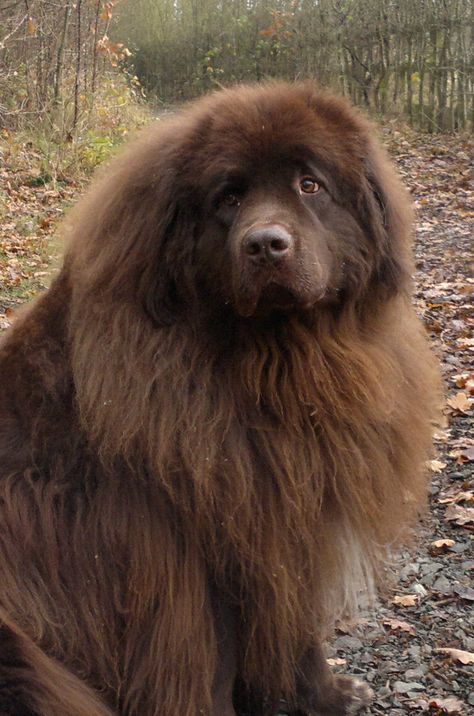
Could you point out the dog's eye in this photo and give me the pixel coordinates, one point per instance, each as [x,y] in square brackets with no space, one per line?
[308,185]
[230,199]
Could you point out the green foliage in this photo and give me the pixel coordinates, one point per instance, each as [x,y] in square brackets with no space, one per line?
[107,119]
[95,149]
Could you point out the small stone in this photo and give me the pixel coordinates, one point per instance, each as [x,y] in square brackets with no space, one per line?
[443,585]
[403,687]
[438,684]
[420,590]
[417,673]
[389,667]
[466,593]
[409,569]
[414,651]
[348,642]
[431,568]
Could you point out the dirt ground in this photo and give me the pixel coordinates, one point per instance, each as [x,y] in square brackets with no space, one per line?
[417,647]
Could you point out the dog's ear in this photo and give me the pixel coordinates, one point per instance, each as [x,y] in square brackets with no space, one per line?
[132,231]
[389,215]
[166,282]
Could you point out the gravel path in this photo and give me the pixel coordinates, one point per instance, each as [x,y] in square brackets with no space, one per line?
[416,648]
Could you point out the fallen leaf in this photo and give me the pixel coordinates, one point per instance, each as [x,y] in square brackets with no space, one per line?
[397,625]
[439,546]
[465,380]
[463,454]
[460,402]
[449,705]
[467,454]
[460,515]
[336,662]
[436,465]
[406,600]
[462,496]
[464,657]
[460,379]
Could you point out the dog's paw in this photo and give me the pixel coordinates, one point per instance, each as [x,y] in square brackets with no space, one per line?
[342,696]
[346,696]
[353,695]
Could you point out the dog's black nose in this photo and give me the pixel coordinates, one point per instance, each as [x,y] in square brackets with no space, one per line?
[268,244]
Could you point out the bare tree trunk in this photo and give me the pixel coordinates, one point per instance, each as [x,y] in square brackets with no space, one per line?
[59,59]
[29,101]
[432,87]
[462,84]
[77,83]
[449,124]
[409,83]
[397,70]
[469,77]
[421,93]
[442,83]
[95,51]
[40,98]
[421,52]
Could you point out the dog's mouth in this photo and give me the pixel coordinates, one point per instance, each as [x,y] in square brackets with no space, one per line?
[277,296]
[287,286]
[274,296]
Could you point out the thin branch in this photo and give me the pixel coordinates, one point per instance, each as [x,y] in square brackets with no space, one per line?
[2,43]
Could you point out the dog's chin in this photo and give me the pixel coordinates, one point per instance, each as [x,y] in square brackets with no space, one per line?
[274,297]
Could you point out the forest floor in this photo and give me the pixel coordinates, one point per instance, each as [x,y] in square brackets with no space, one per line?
[417,647]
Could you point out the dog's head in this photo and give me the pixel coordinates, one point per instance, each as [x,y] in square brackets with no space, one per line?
[261,199]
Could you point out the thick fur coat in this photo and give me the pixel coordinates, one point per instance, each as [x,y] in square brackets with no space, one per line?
[205,458]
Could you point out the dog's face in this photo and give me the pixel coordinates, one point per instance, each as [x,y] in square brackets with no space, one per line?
[290,216]
[275,236]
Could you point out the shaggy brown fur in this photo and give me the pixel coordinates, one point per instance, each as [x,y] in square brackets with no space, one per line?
[213,426]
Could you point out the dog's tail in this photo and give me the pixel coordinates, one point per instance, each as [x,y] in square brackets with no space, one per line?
[33,684]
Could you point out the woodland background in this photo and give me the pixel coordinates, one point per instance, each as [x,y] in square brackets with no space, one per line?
[78,77]
[395,57]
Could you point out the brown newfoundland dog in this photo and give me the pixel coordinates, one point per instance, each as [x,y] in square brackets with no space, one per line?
[214,424]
